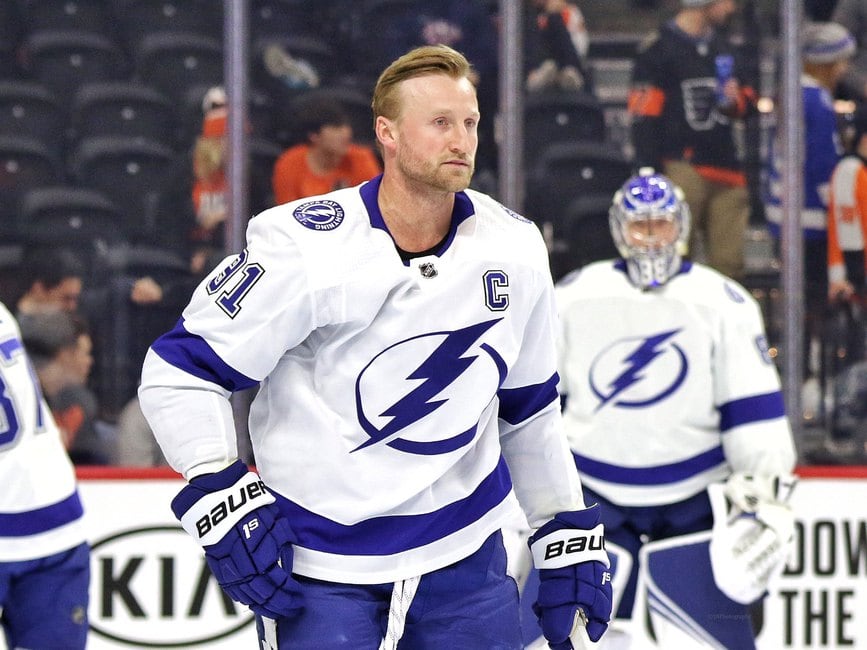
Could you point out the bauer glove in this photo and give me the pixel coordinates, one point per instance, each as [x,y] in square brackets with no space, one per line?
[574,581]
[247,542]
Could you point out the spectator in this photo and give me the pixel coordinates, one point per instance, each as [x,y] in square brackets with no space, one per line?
[135,444]
[327,159]
[686,90]
[61,349]
[469,28]
[52,279]
[847,218]
[55,279]
[557,47]
[827,48]
[193,207]
[210,190]
[44,555]
[672,405]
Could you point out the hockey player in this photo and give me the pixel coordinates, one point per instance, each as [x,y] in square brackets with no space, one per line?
[672,406]
[402,333]
[44,556]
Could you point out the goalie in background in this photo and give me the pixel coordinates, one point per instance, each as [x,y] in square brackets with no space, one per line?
[672,402]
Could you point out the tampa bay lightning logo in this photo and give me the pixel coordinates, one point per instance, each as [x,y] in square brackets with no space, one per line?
[638,372]
[515,215]
[319,215]
[733,293]
[444,372]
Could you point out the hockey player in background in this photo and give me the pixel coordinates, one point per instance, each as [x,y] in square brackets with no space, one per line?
[675,417]
[402,333]
[44,555]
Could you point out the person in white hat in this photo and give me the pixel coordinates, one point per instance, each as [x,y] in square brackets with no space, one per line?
[825,54]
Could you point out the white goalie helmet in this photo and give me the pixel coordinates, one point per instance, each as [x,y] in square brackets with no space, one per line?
[650,221]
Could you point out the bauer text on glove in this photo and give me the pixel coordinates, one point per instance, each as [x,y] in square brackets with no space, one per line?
[569,552]
[246,540]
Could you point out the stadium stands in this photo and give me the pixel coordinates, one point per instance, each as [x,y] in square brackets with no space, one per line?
[101,99]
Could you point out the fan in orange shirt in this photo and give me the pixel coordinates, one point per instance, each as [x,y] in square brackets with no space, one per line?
[847,217]
[327,160]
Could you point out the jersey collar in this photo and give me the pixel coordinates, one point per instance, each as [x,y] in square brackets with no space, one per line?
[463,210]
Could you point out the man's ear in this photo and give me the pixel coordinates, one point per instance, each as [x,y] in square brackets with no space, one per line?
[384,130]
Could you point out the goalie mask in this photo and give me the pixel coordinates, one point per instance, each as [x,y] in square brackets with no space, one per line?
[649,221]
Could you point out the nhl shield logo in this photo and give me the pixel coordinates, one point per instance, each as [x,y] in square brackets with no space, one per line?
[427,270]
[319,215]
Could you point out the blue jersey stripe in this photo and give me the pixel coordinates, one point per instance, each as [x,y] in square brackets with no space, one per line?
[192,354]
[751,409]
[518,404]
[40,520]
[394,534]
[653,475]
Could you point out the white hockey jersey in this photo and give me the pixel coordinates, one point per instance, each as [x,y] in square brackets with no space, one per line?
[667,390]
[40,510]
[398,401]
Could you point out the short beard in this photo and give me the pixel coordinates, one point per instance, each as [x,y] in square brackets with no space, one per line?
[434,175]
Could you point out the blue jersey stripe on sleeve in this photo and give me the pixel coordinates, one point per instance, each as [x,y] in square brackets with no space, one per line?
[395,534]
[40,520]
[653,475]
[751,409]
[518,404]
[192,354]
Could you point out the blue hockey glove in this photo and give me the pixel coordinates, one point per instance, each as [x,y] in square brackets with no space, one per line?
[569,552]
[247,541]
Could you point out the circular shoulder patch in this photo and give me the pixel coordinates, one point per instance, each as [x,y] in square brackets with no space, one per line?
[515,215]
[733,293]
[319,215]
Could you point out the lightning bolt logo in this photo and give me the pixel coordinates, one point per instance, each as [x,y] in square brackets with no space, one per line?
[438,371]
[636,364]
[319,215]
[313,213]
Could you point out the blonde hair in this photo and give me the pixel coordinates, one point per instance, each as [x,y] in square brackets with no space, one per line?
[208,156]
[429,59]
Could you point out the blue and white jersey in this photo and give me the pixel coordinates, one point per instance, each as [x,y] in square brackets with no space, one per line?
[40,511]
[822,150]
[398,401]
[667,390]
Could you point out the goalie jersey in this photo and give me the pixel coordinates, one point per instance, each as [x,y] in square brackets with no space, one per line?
[398,400]
[40,510]
[670,389]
